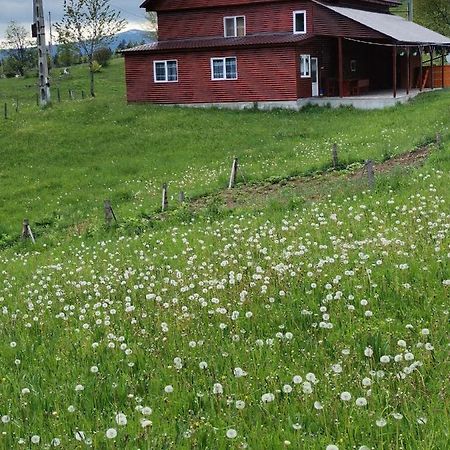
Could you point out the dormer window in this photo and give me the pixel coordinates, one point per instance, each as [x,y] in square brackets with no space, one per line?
[299,22]
[234,26]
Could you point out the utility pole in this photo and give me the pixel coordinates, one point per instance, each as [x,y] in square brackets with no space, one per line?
[38,29]
[50,43]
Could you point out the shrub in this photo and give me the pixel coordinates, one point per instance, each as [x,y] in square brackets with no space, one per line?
[96,67]
[103,55]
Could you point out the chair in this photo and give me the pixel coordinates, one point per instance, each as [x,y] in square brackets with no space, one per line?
[361,87]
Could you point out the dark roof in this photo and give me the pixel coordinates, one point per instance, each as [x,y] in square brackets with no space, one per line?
[202,43]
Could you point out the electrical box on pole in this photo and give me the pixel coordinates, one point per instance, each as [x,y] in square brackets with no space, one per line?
[39,32]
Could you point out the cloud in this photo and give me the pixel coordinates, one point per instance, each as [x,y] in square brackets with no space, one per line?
[21,11]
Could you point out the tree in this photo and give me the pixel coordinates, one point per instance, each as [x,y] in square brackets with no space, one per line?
[90,24]
[152,19]
[435,15]
[67,55]
[20,48]
[102,55]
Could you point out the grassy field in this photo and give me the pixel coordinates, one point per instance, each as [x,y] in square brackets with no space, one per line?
[319,323]
[58,165]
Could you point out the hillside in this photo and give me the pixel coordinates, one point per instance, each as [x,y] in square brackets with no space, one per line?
[300,310]
[82,168]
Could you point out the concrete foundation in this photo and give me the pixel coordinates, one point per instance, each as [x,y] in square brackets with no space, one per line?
[376,100]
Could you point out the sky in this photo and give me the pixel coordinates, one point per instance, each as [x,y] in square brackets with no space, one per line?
[22,12]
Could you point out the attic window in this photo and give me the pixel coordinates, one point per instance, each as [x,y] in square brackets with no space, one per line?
[234,26]
[299,22]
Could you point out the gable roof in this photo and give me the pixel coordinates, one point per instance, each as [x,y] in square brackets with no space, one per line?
[395,27]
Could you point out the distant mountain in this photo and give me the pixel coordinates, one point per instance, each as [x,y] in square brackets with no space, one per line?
[125,38]
[131,37]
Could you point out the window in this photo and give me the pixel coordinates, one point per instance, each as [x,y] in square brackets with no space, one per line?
[234,26]
[224,68]
[353,65]
[299,22]
[305,66]
[165,71]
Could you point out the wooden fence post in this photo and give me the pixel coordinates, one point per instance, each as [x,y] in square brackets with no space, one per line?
[37,99]
[370,174]
[26,231]
[438,139]
[335,156]
[6,110]
[181,197]
[165,199]
[109,213]
[58,94]
[233,175]
[82,95]
[17,104]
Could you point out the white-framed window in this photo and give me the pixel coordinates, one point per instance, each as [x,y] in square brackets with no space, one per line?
[299,25]
[234,26]
[224,68]
[305,66]
[165,71]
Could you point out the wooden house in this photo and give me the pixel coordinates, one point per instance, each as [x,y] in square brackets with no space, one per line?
[278,52]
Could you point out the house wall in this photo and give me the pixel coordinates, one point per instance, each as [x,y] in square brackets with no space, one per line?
[165,5]
[273,17]
[264,74]
[329,23]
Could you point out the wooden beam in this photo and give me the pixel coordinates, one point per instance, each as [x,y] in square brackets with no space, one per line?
[394,71]
[443,68]
[341,67]
[408,69]
[421,70]
[431,68]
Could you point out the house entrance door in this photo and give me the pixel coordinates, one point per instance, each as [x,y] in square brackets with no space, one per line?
[315,76]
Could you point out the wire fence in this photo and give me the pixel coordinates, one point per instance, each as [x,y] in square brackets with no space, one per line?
[367,172]
[12,104]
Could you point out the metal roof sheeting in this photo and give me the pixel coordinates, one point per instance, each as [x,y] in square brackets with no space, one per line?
[392,26]
[201,43]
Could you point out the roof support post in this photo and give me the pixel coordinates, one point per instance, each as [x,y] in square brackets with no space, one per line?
[421,70]
[431,68]
[408,71]
[341,67]
[394,71]
[443,68]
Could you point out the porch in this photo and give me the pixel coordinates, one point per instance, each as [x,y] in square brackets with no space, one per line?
[353,71]
[381,64]
[372,100]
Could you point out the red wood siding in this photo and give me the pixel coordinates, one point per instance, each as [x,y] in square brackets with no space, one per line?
[165,5]
[263,74]
[275,17]
[437,76]
[329,23]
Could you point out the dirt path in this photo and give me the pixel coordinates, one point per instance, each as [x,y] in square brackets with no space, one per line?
[244,194]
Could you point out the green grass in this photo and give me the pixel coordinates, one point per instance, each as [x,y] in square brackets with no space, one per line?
[280,288]
[58,165]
